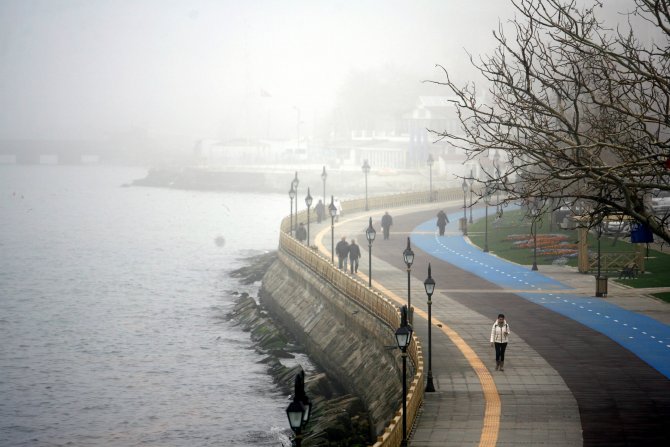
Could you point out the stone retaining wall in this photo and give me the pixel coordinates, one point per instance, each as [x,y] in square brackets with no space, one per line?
[340,335]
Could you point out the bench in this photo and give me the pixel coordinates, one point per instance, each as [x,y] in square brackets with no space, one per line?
[629,271]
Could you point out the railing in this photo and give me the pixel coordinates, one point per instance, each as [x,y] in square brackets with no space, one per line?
[379,203]
[616,261]
[378,306]
[375,302]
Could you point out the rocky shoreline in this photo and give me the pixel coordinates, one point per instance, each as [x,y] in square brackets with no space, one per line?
[337,419]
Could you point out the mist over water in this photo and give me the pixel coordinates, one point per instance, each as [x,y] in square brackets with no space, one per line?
[112,305]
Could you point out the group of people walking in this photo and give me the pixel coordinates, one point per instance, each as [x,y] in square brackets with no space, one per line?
[348,251]
[349,254]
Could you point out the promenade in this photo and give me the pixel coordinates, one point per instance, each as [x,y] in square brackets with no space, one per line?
[567,382]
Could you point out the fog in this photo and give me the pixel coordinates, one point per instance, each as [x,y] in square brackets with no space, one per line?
[72,69]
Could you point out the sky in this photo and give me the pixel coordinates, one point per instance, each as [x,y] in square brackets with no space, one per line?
[77,69]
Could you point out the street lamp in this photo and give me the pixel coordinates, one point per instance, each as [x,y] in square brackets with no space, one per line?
[496,165]
[323,177]
[333,211]
[294,185]
[408,257]
[487,203]
[465,207]
[298,411]
[429,285]
[403,337]
[472,181]
[370,234]
[536,208]
[291,194]
[430,166]
[308,202]
[366,170]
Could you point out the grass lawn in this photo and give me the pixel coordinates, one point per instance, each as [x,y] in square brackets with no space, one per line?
[665,296]
[510,238]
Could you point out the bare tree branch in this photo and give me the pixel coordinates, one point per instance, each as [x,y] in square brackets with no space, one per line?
[580,111]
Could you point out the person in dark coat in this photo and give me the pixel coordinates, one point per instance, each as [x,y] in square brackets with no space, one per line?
[387,221]
[301,233]
[320,211]
[342,251]
[442,221]
[354,256]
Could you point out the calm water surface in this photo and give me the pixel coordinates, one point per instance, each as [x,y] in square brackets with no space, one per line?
[112,306]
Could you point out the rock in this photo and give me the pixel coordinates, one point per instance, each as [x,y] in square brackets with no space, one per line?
[337,419]
[257,267]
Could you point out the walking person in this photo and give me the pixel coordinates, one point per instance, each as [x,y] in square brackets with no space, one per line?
[499,339]
[442,221]
[320,209]
[342,251]
[301,233]
[354,256]
[338,208]
[387,221]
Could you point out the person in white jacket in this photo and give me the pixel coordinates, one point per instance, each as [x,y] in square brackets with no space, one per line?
[499,339]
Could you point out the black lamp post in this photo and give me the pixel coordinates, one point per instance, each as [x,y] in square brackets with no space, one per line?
[366,170]
[408,257]
[298,411]
[370,234]
[472,181]
[333,211]
[308,202]
[323,177]
[429,285]
[536,208]
[294,185]
[403,337]
[496,165]
[487,202]
[291,194]
[430,166]
[601,281]
[465,208]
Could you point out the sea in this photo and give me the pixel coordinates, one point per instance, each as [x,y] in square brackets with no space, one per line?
[113,304]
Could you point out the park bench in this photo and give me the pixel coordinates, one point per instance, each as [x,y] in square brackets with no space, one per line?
[629,271]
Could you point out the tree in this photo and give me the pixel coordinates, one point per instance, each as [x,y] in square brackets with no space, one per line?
[580,110]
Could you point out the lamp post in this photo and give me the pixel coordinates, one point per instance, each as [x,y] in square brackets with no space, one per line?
[408,257]
[370,234]
[429,285]
[298,411]
[333,211]
[536,207]
[291,194]
[324,175]
[430,169]
[487,202]
[294,185]
[496,165]
[308,202]
[601,281]
[472,181]
[403,337]
[366,170]
[465,207]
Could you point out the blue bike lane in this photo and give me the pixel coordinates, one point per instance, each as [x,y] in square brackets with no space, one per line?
[645,337]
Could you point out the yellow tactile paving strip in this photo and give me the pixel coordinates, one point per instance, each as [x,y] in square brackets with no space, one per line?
[492,410]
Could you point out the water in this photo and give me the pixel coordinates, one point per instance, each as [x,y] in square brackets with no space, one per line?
[112,306]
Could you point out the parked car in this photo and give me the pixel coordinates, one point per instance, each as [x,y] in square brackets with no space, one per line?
[616,224]
[660,202]
[616,227]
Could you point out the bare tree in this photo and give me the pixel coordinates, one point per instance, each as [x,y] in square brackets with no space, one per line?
[580,110]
